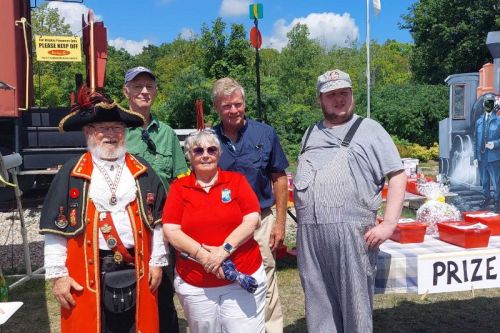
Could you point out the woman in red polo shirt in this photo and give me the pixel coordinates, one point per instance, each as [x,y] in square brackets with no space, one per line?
[212,215]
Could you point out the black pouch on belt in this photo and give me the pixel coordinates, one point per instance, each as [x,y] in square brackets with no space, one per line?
[118,290]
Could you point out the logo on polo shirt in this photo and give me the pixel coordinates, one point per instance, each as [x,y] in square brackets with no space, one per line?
[226,195]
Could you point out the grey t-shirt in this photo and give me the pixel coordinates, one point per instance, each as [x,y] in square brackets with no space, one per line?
[373,157]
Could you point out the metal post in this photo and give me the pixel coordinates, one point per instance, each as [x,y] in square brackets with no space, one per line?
[24,233]
[368,59]
[257,73]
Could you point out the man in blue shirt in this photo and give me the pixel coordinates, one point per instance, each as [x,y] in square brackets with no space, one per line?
[253,148]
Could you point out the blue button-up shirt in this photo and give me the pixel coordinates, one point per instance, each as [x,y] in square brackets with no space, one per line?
[257,153]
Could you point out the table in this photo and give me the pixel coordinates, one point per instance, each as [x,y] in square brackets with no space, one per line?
[397,264]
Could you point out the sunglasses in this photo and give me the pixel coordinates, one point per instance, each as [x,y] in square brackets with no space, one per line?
[149,142]
[199,151]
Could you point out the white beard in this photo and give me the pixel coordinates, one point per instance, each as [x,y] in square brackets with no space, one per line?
[105,154]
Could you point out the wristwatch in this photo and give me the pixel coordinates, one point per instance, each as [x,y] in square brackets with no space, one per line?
[228,248]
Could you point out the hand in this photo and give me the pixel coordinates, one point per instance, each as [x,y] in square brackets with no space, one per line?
[489,145]
[61,288]
[475,163]
[277,236]
[155,276]
[379,234]
[217,255]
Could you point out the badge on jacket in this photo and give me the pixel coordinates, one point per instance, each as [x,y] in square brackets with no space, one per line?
[226,195]
[72,217]
[61,220]
[150,202]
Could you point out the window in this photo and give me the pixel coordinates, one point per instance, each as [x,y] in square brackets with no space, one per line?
[458,100]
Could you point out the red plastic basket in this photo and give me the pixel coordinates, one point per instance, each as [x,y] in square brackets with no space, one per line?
[467,238]
[490,219]
[411,232]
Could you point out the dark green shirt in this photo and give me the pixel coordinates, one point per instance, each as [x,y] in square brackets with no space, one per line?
[168,161]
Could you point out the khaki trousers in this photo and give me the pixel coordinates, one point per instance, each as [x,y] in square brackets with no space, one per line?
[273,312]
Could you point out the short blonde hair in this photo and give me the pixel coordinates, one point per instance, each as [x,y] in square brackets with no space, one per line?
[199,138]
[226,86]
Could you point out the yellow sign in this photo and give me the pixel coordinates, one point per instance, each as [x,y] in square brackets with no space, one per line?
[58,48]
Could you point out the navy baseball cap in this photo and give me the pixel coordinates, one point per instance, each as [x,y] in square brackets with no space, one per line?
[133,72]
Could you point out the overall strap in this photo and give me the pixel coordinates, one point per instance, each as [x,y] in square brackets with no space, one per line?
[352,131]
[308,133]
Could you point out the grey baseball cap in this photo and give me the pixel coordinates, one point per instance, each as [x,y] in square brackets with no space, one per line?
[333,80]
[133,72]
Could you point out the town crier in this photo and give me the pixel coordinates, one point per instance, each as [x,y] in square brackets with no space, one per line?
[104,245]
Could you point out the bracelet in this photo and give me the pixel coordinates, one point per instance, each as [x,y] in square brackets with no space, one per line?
[198,250]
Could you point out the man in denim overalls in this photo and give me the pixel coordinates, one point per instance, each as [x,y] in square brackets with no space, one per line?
[341,170]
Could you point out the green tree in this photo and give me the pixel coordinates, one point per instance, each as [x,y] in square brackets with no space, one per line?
[411,111]
[450,36]
[300,65]
[224,55]
[118,62]
[179,109]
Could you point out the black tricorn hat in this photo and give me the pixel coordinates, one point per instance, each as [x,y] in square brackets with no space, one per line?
[96,108]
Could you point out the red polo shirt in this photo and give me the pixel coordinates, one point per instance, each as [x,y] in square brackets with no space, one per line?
[209,218]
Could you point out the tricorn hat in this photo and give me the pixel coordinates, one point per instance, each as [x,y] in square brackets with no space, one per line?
[95,108]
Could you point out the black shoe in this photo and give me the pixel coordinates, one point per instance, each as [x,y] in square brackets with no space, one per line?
[497,207]
[484,204]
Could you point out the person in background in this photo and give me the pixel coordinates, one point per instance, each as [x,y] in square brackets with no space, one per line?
[211,216]
[253,148]
[158,144]
[101,220]
[487,152]
[341,170]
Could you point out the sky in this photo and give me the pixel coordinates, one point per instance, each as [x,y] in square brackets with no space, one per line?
[132,24]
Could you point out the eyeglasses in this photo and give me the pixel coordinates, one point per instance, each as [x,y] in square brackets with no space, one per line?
[149,142]
[199,151]
[104,129]
[140,87]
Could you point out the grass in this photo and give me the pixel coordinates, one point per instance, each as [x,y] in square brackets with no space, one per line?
[447,312]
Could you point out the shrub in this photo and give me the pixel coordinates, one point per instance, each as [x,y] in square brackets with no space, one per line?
[414,150]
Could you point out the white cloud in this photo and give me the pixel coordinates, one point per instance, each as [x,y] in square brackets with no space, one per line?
[133,47]
[187,34]
[72,14]
[329,29]
[234,7]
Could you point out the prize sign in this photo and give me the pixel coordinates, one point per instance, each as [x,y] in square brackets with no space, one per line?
[58,48]
[461,271]
[255,11]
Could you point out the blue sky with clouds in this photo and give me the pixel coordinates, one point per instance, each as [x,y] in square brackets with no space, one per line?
[133,24]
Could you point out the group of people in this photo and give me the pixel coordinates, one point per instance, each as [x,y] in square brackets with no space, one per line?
[127,224]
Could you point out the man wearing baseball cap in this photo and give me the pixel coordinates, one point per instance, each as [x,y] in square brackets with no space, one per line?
[341,170]
[158,144]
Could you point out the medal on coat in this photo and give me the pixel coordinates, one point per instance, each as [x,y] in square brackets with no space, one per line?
[106,229]
[150,201]
[72,217]
[111,242]
[118,257]
[61,221]
[113,200]
[226,195]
